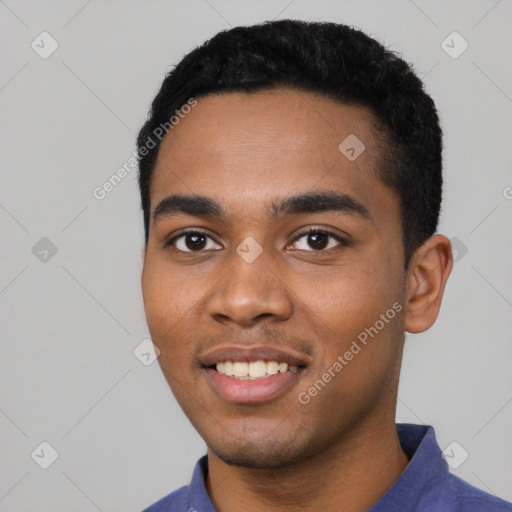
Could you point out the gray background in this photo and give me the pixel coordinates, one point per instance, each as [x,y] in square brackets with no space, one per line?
[69,325]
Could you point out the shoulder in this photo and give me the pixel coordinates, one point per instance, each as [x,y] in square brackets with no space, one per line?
[176,501]
[188,498]
[470,499]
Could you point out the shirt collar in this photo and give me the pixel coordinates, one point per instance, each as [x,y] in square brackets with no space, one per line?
[425,470]
[426,467]
[198,497]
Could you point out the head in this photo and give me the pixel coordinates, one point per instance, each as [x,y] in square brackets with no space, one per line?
[304,161]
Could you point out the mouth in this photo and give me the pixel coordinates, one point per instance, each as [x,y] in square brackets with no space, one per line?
[253,370]
[243,375]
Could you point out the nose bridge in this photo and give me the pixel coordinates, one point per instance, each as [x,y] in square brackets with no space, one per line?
[251,288]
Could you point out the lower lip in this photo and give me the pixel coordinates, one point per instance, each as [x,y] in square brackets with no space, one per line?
[251,391]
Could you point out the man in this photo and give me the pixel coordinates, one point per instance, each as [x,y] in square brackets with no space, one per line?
[290,176]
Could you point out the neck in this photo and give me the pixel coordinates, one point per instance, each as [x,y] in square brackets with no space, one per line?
[354,473]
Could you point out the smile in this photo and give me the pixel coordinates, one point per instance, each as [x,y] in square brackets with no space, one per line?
[252,374]
[253,370]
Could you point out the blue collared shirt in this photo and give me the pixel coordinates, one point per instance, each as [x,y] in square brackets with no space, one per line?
[425,485]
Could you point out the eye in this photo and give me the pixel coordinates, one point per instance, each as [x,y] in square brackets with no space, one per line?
[318,240]
[193,241]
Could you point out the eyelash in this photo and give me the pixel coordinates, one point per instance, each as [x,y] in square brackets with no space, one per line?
[196,231]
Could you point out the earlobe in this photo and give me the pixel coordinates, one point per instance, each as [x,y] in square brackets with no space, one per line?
[428,272]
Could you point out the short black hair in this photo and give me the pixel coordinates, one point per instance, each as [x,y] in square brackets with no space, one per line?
[332,59]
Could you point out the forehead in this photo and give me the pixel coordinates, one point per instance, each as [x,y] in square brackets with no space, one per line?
[247,148]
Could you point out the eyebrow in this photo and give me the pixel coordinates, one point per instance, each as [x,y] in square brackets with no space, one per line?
[310,202]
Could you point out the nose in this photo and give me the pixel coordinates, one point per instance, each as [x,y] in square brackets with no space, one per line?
[250,292]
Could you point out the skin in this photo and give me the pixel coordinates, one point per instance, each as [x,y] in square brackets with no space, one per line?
[245,151]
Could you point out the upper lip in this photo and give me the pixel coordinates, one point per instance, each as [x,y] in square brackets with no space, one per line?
[249,354]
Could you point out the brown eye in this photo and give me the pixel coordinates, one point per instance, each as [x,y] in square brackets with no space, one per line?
[193,241]
[318,240]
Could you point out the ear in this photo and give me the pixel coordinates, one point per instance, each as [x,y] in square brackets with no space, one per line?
[427,274]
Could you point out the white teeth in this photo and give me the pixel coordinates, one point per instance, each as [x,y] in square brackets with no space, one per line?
[252,370]
[240,369]
[257,369]
[228,368]
[272,367]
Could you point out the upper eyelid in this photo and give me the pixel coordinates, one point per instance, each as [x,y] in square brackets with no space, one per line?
[188,231]
[314,229]
[311,229]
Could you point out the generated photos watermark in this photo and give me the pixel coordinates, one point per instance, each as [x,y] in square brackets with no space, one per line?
[305,397]
[101,191]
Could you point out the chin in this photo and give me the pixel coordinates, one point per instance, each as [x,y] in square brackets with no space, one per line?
[273,454]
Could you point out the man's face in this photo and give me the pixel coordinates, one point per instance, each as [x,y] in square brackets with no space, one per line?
[213,297]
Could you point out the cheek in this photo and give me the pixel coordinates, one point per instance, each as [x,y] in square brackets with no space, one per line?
[352,299]
[173,303]
[167,298]
[355,313]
